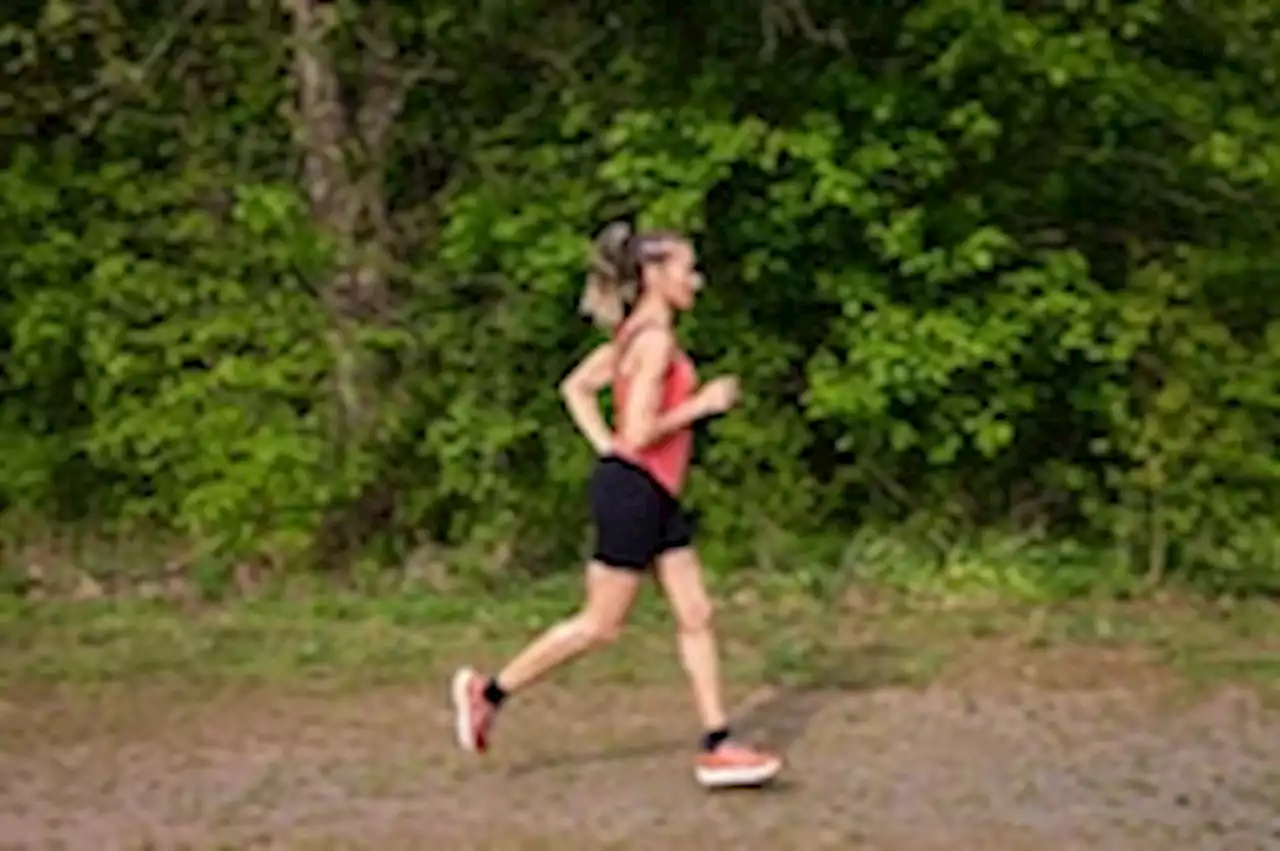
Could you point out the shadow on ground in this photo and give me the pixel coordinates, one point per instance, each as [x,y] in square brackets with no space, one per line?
[777,715]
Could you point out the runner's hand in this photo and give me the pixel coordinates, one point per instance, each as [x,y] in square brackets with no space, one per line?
[720,395]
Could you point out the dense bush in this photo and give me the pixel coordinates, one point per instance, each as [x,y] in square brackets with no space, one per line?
[299,283]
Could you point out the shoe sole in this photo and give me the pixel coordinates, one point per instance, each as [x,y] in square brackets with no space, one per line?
[463,730]
[728,778]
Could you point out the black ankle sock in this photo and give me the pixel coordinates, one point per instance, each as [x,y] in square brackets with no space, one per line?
[713,739]
[494,693]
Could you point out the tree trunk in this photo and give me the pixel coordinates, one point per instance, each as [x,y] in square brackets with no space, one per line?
[343,156]
[343,163]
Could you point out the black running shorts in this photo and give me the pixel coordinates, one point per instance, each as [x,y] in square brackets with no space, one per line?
[636,519]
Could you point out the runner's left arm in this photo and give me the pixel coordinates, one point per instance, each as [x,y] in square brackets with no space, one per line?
[581,393]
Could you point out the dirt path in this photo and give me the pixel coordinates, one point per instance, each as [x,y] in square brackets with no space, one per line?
[971,766]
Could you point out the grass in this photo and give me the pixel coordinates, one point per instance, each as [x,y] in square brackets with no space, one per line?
[771,633]
[786,651]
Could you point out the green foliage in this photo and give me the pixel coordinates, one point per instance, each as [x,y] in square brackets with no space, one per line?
[984,268]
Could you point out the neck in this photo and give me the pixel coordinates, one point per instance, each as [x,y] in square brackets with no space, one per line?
[652,309]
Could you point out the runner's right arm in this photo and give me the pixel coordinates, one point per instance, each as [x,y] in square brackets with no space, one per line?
[642,423]
[646,362]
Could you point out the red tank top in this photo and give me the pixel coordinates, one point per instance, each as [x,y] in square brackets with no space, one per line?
[666,459]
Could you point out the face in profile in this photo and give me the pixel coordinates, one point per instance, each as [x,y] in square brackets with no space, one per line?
[677,277]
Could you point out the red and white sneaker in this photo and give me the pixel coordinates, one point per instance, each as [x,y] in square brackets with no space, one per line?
[733,765]
[473,715]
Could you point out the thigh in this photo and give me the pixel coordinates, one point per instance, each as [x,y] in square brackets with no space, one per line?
[610,593]
[628,517]
[679,573]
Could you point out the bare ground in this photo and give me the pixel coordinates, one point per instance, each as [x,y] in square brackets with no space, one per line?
[1083,751]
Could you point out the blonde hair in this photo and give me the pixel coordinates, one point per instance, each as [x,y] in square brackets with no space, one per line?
[618,257]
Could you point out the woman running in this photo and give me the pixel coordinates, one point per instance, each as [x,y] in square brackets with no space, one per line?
[637,284]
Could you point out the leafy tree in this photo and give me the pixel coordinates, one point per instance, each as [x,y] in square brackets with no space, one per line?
[298,280]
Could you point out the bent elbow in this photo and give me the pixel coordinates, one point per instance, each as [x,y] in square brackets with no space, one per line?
[570,386]
[572,391]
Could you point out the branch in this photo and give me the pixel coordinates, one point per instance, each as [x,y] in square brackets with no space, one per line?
[566,62]
[137,73]
[786,17]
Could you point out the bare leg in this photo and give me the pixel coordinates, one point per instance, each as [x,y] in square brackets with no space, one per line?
[680,575]
[610,593]
[721,762]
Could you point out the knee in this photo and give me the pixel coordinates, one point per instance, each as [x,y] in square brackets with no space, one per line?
[695,617]
[595,630]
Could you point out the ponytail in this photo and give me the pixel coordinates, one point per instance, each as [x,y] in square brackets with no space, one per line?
[613,280]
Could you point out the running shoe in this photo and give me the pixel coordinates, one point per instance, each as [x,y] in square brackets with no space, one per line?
[473,715]
[732,765]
